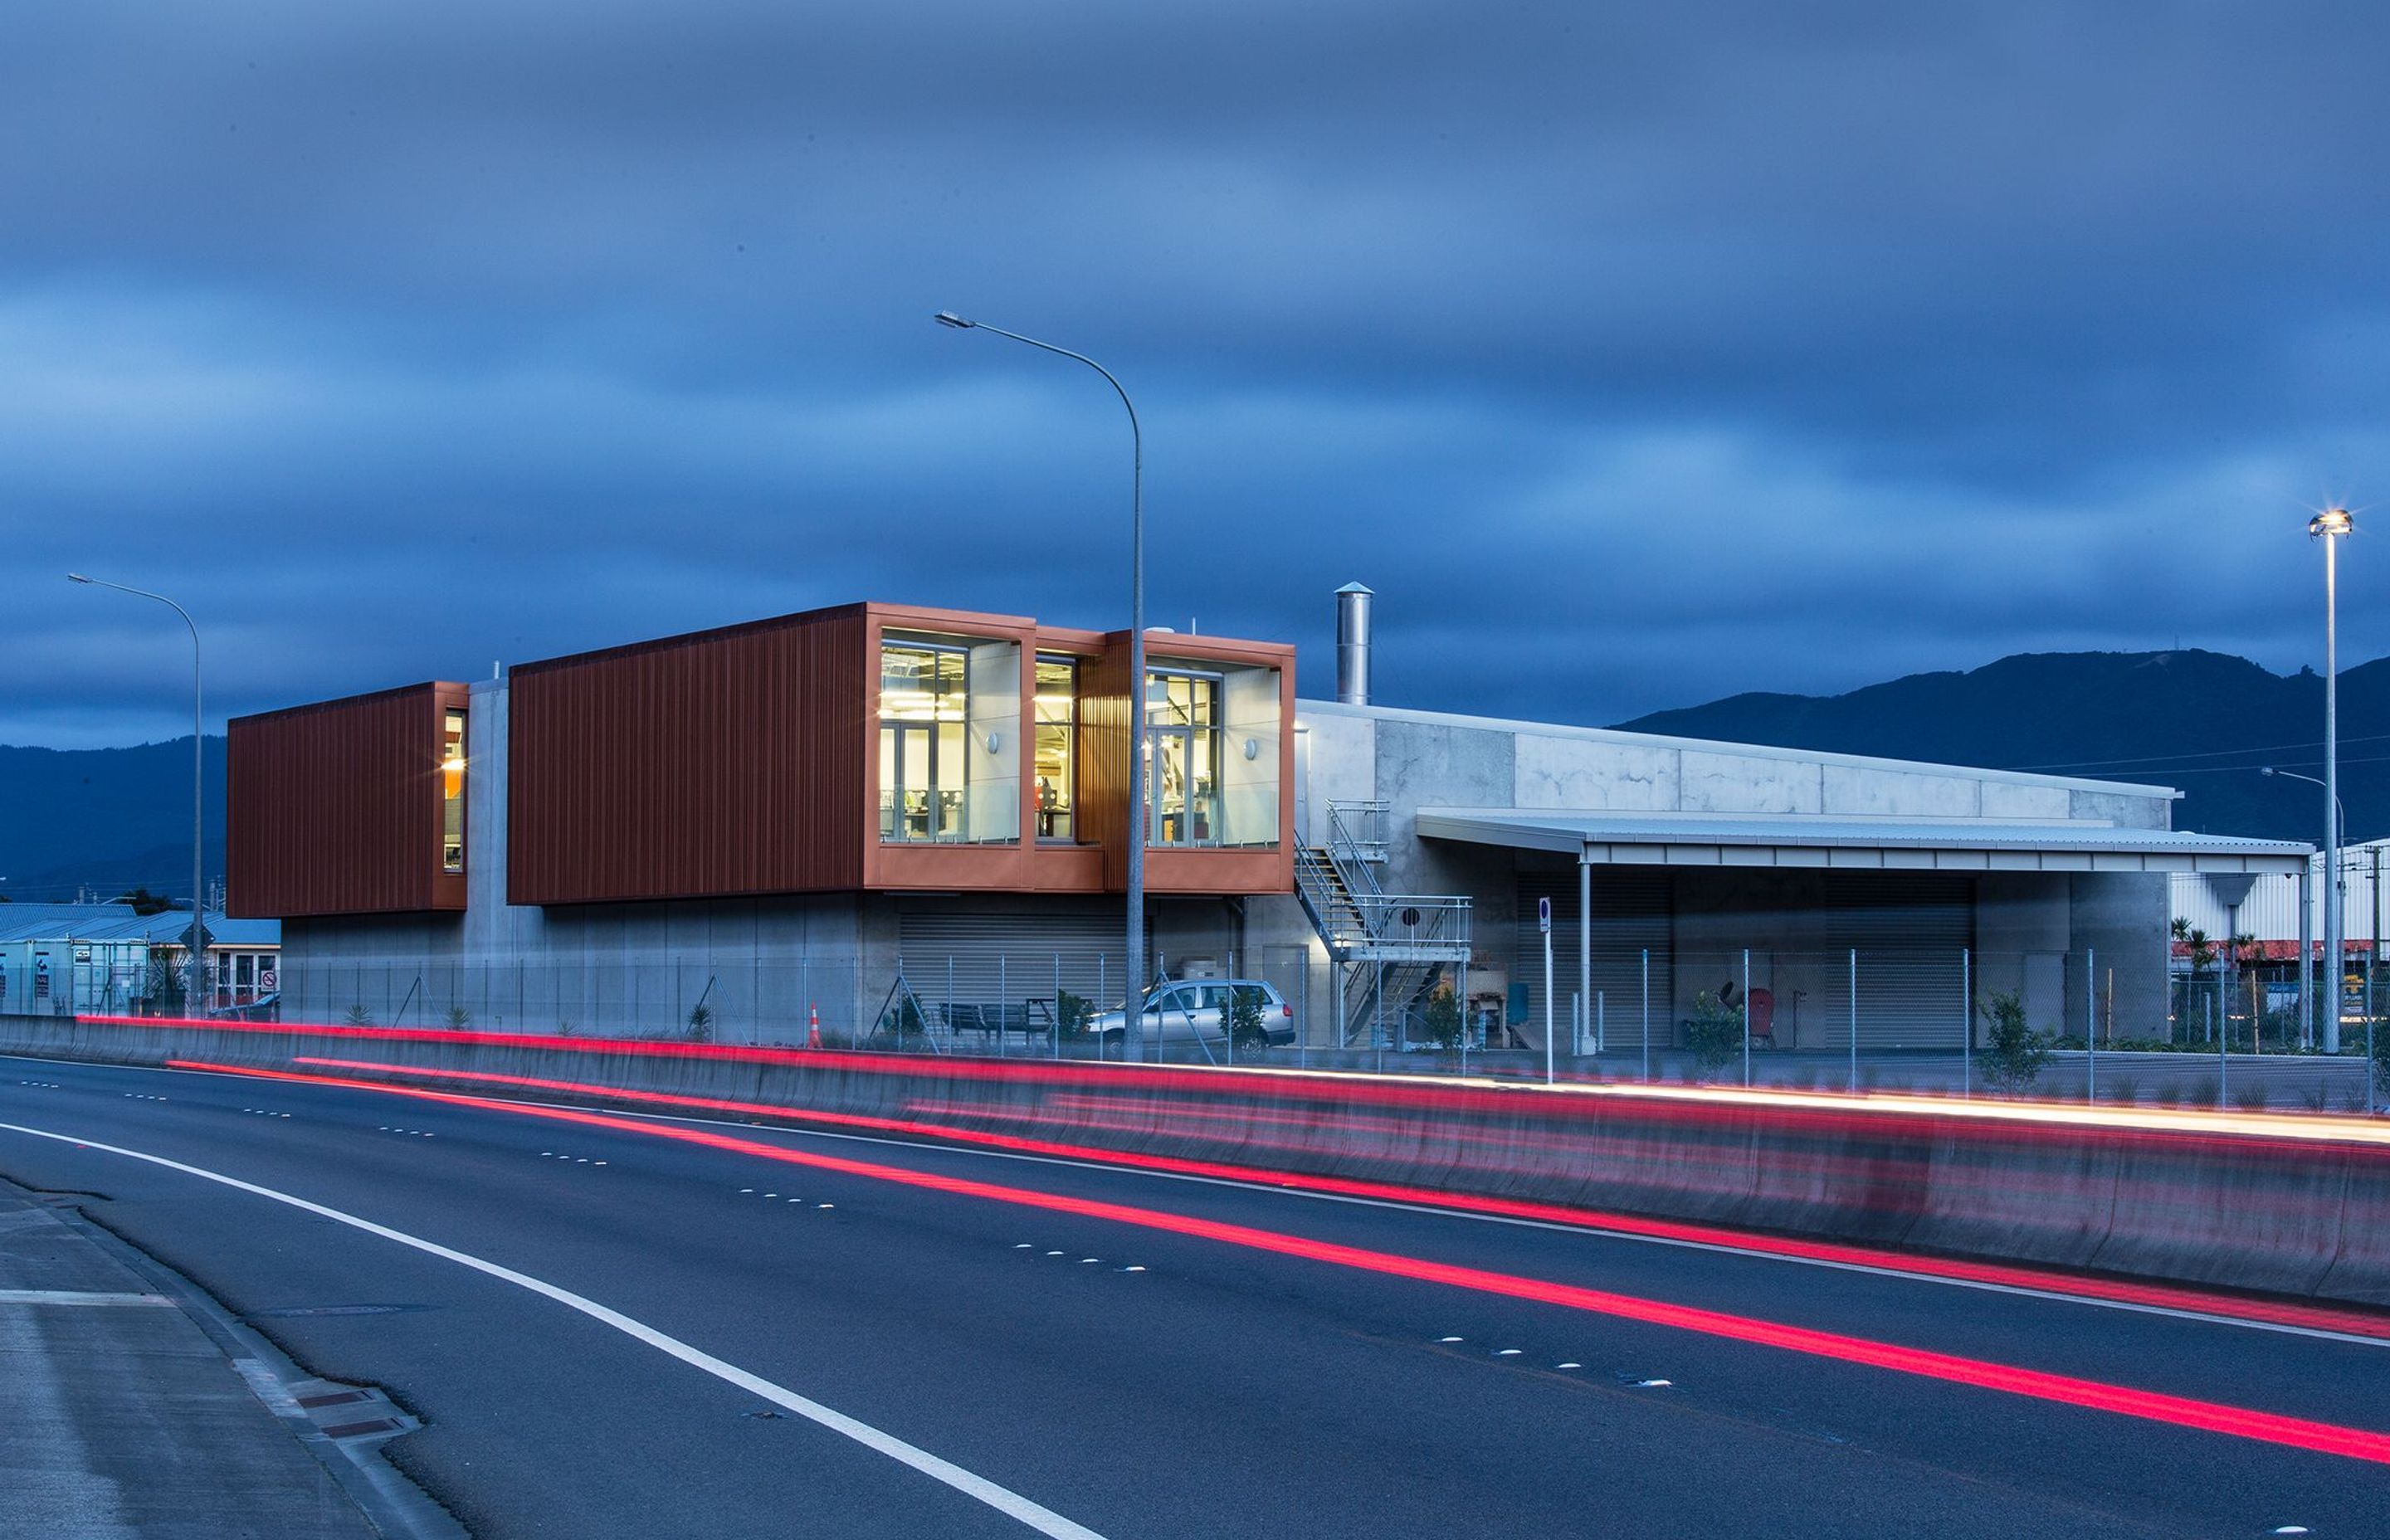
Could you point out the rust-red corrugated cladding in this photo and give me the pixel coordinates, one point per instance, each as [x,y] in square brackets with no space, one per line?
[334,808]
[721,762]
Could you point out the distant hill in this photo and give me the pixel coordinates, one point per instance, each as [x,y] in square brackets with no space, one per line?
[111,818]
[2203,722]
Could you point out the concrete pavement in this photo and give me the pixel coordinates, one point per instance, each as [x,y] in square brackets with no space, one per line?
[124,1420]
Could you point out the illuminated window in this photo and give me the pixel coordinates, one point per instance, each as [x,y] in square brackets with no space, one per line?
[1057,761]
[452,793]
[924,724]
[1182,716]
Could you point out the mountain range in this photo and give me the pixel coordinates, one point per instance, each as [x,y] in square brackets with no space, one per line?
[2204,722]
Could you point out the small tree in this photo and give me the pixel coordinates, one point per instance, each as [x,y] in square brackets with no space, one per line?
[2382,1059]
[700,1022]
[459,1018]
[358,1016]
[1245,1016]
[902,1020]
[2016,1054]
[2200,947]
[1714,1032]
[1440,1023]
[1071,1014]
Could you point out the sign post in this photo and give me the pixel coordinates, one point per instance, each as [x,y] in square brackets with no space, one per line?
[1543,923]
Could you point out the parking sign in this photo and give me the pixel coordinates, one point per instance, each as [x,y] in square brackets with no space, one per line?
[1544,916]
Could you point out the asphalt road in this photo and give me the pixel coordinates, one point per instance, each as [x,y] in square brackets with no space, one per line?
[1090,1368]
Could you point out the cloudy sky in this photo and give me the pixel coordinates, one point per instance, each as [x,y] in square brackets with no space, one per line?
[1635,354]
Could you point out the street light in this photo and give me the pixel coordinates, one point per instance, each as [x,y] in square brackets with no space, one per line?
[2331,526]
[195,960]
[2339,836]
[1133,1023]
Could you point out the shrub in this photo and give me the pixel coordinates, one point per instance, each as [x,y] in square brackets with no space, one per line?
[358,1016]
[2013,1053]
[459,1018]
[1439,1022]
[1071,1014]
[700,1022]
[2250,1099]
[1244,1022]
[902,1020]
[1713,1033]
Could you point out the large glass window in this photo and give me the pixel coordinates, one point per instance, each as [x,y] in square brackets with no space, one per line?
[924,725]
[1182,717]
[452,793]
[1057,757]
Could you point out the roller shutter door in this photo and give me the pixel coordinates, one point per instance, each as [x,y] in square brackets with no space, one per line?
[998,958]
[1630,913]
[1910,930]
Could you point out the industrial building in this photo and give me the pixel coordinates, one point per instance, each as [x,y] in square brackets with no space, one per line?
[806,818]
[56,959]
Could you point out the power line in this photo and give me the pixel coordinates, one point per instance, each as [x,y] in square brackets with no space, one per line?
[2211,753]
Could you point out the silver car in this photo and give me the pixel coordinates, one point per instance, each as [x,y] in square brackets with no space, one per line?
[1196,1010]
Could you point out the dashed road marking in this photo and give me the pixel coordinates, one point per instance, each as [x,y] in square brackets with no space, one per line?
[1011,1504]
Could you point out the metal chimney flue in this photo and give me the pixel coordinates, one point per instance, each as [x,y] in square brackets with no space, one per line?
[1352,643]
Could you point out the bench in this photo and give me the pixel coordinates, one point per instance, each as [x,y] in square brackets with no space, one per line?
[999,1022]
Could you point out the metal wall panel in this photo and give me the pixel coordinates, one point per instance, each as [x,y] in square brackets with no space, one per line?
[723,762]
[334,808]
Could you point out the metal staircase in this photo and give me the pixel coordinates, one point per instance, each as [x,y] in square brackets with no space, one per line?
[1389,948]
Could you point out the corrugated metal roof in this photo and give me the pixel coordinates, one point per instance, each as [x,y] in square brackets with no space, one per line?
[64,922]
[1770,840]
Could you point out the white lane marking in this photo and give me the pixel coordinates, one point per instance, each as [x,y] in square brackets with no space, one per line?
[1569,1365]
[77,1296]
[1590,1230]
[1011,1504]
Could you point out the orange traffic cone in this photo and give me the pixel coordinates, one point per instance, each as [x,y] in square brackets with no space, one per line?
[813,1027]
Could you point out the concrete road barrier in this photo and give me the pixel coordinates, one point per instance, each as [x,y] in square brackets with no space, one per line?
[2287,1205]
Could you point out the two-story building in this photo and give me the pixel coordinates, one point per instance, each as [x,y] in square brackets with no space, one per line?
[766,821]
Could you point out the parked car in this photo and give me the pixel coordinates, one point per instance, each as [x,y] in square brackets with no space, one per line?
[1196,1010]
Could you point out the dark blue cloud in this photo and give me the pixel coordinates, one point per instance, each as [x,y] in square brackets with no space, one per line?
[1635,354]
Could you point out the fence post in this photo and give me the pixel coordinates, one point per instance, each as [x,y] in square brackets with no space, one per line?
[1746,1018]
[1302,993]
[1003,1001]
[2091,1022]
[1852,992]
[1647,1014]
[1966,1024]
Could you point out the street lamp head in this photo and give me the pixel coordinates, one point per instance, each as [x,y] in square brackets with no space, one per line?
[2331,522]
[948,318]
[77,577]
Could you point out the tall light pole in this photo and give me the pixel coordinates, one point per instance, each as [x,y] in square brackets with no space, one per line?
[2339,837]
[2330,526]
[1133,1016]
[196,957]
